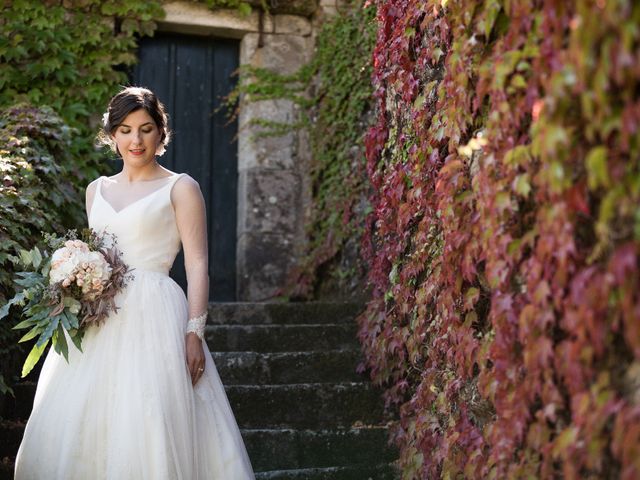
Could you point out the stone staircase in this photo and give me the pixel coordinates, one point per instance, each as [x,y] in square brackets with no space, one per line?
[289,373]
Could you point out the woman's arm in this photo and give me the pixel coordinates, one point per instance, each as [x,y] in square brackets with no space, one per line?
[191,219]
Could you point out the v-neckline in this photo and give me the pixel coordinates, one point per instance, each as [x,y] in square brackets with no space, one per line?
[117,212]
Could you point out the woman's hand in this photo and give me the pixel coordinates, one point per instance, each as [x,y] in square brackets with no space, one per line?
[195,357]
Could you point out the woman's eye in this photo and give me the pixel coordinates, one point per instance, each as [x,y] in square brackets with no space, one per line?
[146,131]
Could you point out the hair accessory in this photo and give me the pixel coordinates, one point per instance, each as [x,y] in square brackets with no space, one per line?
[196,325]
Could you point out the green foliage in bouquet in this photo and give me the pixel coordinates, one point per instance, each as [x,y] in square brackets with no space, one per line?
[38,305]
[51,306]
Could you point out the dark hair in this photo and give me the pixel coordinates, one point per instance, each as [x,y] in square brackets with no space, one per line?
[128,100]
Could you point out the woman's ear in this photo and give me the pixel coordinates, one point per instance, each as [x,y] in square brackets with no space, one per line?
[160,145]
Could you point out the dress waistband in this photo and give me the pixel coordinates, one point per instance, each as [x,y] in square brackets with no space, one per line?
[149,268]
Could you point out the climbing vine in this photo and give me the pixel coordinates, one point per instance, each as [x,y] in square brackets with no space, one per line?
[339,118]
[333,92]
[242,6]
[504,239]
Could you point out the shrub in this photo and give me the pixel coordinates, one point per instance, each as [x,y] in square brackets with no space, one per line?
[37,193]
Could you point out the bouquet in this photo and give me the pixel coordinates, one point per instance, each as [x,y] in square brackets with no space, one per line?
[67,291]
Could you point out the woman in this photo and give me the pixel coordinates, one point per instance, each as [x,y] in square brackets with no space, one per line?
[143,400]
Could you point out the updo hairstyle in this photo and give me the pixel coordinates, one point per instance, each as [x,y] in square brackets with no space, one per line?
[128,100]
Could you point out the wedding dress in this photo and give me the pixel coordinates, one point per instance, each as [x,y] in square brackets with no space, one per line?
[124,408]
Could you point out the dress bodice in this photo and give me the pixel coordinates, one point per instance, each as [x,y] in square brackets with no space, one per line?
[145,229]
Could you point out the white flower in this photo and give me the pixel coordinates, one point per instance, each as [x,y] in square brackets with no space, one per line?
[64,263]
[75,262]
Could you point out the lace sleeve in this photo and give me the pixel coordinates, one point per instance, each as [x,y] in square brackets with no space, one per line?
[192,225]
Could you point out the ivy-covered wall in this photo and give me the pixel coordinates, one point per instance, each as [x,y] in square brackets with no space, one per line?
[333,97]
[339,80]
[504,237]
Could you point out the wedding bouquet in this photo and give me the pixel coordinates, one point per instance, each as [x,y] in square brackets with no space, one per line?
[66,291]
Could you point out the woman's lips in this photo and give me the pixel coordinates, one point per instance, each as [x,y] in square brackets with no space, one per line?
[136,152]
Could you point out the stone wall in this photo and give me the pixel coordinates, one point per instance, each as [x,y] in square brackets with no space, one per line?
[272,171]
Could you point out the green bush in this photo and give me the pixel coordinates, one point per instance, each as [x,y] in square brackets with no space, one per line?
[73,57]
[37,194]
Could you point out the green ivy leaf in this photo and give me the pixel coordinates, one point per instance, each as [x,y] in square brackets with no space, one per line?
[523,185]
[597,169]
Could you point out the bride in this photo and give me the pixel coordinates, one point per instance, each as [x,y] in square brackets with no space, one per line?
[143,400]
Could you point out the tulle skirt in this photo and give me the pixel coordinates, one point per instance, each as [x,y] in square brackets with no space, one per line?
[125,409]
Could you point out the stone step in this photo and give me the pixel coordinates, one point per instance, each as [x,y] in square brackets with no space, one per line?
[354,472]
[295,449]
[357,472]
[19,406]
[274,449]
[300,405]
[288,367]
[305,405]
[6,467]
[289,373]
[240,313]
[11,432]
[281,338]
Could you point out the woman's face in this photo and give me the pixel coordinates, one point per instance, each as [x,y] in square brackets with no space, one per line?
[137,138]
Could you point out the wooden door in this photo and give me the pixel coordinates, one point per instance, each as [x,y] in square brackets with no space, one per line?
[190,75]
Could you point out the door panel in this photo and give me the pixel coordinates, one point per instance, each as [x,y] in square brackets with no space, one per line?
[190,75]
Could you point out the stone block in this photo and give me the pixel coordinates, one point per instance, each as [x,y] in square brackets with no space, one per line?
[291,24]
[273,152]
[263,263]
[194,18]
[269,151]
[305,8]
[269,202]
[284,54]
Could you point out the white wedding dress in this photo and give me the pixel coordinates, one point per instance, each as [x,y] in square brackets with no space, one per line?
[124,408]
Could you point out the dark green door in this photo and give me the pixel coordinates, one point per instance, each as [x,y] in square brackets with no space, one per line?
[190,75]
